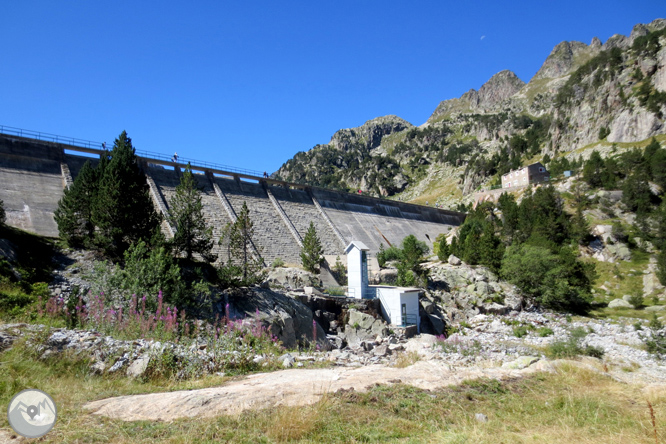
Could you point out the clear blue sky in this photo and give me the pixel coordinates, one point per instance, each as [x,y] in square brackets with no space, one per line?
[251,83]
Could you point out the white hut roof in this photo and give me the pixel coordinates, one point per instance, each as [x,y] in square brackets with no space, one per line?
[358,244]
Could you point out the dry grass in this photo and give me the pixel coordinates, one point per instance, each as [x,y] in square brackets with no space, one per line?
[405,359]
[571,405]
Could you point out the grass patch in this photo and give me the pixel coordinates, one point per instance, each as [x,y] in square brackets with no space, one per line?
[544,408]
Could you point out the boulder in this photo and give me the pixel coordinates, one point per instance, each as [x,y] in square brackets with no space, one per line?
[285,317]
[291,278]
[480,417]
[6,341]
[385,276]
[8,250]
[520,363]
[619,251]
[655,308]
[619,303]
[287,360]
[437,324]
[454,260]
[363,327]
[138,367]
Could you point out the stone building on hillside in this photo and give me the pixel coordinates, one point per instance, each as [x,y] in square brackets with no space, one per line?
[535,173]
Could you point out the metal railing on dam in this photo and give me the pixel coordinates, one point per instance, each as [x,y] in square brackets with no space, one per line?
[36,167]
[100,146]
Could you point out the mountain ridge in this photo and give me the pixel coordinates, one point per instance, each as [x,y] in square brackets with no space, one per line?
[616,89]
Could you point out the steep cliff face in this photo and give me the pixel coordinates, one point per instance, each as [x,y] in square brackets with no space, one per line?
[493,93]
[616,90]
[369,135]
[565,57]
[349,160]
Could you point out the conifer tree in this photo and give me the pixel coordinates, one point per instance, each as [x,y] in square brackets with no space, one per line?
[74,214]
[242,267]
[443,250]
[636,193]
[491,249]
[2,212]
[593,169]
[186,216]
[123,211]
[312,253]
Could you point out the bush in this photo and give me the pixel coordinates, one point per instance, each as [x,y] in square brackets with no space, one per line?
[277,263]
[572,347]
[339,271]
[556,281]
[441,248]
[544,332]
[385,255]
[522,330]
[637,300]
[655,323]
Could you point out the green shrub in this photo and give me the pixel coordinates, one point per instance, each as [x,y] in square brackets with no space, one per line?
[385,255]
[655,323]
[637,300]
[544,332]
[521,331]
[277,262]
[603,132]
[557,281]
[572,347]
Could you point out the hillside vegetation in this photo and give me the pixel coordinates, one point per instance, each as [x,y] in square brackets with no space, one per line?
[582,96]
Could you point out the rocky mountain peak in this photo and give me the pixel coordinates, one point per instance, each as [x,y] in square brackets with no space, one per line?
[370,134]
[496,90]
[562,59]
[500,87]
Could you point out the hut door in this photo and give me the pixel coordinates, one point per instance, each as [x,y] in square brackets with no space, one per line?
[404,314]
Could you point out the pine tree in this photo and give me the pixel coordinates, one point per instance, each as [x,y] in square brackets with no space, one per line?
[580,229]
[636,193]
[491,249]
[242,267]
[123,211]
[186,216]
[312,253]
[593,169]
[74,214]
[661,267]
[2,212]
[443,250]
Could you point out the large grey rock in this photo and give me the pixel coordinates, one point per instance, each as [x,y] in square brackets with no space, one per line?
[8,250]
[454,260]
[6,341]
[291,278]
[655,308]
[619,303]
[437,323]
[287,360]
[520,363]
[620,251]
[285,317]
[138,367]
[363,327]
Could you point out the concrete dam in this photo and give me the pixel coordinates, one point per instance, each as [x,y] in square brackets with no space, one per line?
[34,173]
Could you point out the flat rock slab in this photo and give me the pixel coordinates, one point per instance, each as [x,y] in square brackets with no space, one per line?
[287,387]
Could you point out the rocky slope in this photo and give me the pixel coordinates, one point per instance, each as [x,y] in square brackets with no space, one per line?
[615,90]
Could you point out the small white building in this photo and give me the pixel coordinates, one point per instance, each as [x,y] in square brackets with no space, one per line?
[399,305]
[357,270]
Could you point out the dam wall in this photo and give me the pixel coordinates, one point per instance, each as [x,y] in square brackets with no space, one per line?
[34,173]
